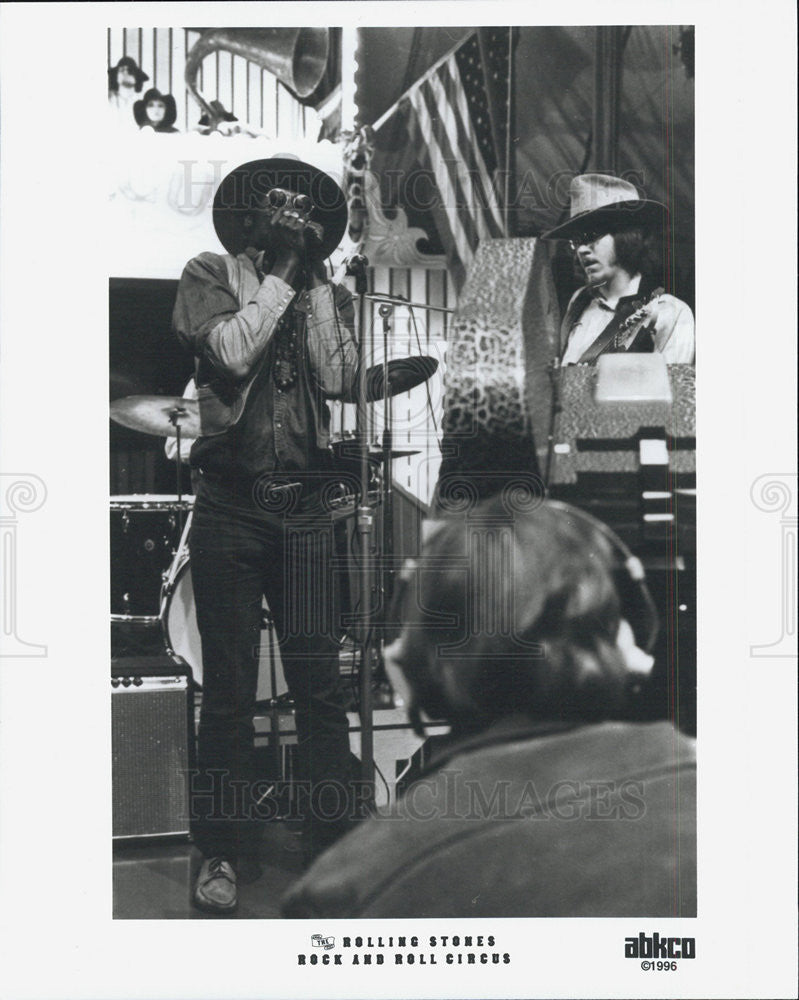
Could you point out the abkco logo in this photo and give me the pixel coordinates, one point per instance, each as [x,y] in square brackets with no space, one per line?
[656,946]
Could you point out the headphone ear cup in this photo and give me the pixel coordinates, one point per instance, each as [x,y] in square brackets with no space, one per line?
[636,605]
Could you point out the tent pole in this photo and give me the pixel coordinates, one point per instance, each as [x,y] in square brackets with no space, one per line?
[510,172]
[608,49]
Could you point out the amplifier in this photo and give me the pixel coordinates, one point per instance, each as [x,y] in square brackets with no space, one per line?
[602,438]
[152,746]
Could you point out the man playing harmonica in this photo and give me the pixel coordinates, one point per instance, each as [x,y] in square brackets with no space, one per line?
[272,341]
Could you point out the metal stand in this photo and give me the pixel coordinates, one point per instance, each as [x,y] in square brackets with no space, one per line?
[365,518]
[364,526]
[175,417]
[387,547]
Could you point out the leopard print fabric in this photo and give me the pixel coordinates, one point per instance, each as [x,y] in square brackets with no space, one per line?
[498,393]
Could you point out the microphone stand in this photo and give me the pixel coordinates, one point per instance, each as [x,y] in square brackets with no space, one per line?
[175,418]
[386,580]
[356,267]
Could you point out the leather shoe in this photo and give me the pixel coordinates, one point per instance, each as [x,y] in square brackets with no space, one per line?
[215,888]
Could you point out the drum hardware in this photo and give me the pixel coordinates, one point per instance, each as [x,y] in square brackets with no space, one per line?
[164,416]
[138,619]
[394,453]
[400,300]
[340,508]
[356,266]
[383,381]
[143,536]
[347,449]
[274,717]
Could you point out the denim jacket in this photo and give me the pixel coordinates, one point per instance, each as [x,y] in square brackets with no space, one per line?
[226,315]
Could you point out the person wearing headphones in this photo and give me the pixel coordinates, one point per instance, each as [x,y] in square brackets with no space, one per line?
[525,626]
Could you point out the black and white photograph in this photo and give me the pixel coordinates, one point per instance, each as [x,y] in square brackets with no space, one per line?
[439,524]
[480,304]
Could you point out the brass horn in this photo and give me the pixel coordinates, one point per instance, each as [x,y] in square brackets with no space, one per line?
[296,56]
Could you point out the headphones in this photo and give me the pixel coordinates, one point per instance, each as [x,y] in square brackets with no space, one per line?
[629,577]
[637,606]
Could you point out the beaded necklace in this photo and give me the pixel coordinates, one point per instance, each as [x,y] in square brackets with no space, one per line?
[285,370]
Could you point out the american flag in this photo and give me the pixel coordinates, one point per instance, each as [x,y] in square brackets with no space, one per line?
[448,121]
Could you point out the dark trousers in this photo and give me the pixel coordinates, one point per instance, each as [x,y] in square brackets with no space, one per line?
[239,554]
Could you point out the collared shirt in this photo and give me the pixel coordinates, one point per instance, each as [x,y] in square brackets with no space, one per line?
[673,334]
[228,315]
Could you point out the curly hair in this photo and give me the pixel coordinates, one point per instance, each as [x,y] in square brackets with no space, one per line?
[513,611]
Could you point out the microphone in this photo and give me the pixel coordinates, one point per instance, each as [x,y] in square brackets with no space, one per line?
[355,264]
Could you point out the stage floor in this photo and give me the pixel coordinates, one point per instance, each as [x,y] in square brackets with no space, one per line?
[154,881]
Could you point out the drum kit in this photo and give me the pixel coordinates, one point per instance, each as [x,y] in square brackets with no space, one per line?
[150,567]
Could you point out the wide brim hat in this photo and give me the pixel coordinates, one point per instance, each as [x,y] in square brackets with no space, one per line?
[153,94]
[133,66]
[236,195]
[604,202]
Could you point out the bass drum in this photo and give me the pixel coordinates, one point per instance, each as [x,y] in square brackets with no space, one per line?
[145,529]
[182,636]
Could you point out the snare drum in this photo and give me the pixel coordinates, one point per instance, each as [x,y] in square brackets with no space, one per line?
[182,636]
[145,531]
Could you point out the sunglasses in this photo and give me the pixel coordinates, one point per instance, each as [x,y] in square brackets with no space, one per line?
[280,197]
[585,239]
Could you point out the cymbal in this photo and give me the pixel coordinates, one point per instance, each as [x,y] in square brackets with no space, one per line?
[349,451]
[158,415]
[377,453]
[403,374]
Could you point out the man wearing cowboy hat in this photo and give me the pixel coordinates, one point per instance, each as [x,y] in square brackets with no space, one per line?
[623,307]
[272,341]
